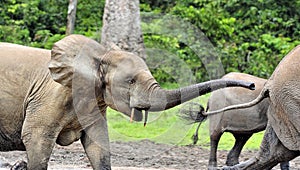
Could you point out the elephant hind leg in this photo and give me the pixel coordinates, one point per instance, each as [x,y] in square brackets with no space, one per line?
[240,141]
[271,152]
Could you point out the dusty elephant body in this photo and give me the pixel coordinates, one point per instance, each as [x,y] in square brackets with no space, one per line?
[281,141]
[242,123]
[61,96]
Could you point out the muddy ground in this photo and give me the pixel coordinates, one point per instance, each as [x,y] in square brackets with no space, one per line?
[136,155]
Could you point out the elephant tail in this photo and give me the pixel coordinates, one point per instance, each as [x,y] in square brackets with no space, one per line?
[263,94]
[193,112]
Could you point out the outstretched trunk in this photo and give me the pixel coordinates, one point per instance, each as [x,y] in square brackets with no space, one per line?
[165,99]
[161,99]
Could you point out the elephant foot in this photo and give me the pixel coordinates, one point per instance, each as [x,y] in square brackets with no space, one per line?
[231,162]
[20,165]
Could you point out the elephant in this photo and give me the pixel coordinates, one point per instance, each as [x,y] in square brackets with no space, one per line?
[61,96]
[281,141]
[241,123]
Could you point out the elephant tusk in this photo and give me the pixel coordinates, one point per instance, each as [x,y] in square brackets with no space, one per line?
[146,117]
[132,115]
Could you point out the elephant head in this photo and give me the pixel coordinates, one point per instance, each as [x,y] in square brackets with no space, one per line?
[120,80]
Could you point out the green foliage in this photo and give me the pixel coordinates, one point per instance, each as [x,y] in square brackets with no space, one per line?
[32,23]
[89,18]
[41,23]
[264,33]
[247,36]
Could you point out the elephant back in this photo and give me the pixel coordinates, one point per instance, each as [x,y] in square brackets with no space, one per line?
[251,119]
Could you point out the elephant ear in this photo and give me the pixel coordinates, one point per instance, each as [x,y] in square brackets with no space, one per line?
[68,52]
[75,63]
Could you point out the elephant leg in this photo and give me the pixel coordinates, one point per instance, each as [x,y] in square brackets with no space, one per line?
[233,155]
[214,141]
[42,125]
[96,145]
[271,152]
[39,142]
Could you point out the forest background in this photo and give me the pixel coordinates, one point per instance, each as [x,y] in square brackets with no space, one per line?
[249,36]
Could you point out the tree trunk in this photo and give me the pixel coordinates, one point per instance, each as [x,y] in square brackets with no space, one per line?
[121,26]
[71,16]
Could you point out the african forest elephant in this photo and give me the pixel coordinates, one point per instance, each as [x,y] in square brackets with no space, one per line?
[281,140]
[242,123]
[61,96]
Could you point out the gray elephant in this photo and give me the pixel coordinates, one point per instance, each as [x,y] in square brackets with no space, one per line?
[242,123]
[281,140]
[61,96]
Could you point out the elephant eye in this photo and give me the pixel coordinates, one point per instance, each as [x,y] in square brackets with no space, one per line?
[131,81]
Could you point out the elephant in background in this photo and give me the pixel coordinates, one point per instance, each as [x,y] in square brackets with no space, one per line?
[60,96]
[281,141]
[241,123]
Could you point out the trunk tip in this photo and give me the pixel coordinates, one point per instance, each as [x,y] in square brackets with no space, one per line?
[252,86]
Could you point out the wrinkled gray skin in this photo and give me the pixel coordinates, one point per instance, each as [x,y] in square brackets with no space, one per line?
[242,123]
[281,140]
[61,96]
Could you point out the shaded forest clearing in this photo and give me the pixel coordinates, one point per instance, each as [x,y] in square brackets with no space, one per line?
[136,156]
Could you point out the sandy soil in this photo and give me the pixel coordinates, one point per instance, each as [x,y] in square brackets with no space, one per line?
[136,156]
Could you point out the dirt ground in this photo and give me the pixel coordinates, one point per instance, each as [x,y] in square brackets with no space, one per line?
[136,156]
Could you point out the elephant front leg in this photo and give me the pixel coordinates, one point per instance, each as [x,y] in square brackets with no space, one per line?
[96,145]
[39,144]
[40,130]
[240,141]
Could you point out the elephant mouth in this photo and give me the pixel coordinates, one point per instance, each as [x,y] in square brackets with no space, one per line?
[137,111]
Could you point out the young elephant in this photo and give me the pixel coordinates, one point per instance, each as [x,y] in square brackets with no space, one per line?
[281,141]
[242,123]
[61,96]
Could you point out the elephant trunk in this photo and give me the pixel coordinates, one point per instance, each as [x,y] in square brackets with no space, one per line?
[164,99]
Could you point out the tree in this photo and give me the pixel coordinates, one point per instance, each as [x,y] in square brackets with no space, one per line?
[71,16]
[121,25]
